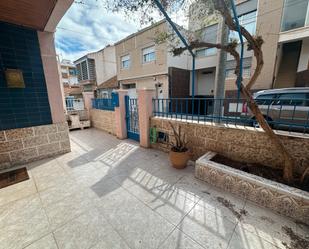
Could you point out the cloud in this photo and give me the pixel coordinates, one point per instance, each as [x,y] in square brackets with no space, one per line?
[89,27]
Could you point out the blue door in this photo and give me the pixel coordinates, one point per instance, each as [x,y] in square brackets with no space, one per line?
[132,118]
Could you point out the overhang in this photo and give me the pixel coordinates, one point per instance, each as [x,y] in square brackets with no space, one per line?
[42,15]
[111,83]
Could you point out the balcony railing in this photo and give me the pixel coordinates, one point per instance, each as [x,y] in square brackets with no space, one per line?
[74,104]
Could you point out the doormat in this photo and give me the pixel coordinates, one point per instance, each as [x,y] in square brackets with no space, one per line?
[13,177]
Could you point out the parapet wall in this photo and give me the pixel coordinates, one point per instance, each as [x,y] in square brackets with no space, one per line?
[242,144]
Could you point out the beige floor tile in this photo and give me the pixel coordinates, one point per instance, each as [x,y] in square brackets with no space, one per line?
[17,191]
[61,190]
[243,239]
[112,241]
[140,226]
[265,224]
[169,204]
[85,231]
[47,242]
[207,228]
[69,208]
[179,240]
[22,222]
[48,176]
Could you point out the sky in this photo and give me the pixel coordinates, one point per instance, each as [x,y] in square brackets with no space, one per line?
[89,27]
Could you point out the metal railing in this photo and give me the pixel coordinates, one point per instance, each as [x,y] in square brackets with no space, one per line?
[103,104]
[282,114]
[74,104]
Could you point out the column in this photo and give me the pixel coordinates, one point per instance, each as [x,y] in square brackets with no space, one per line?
[144,102]
[120,115]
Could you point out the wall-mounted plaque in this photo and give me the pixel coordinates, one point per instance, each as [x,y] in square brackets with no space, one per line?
[14,78]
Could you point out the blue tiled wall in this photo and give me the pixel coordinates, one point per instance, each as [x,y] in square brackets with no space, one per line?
[29,106]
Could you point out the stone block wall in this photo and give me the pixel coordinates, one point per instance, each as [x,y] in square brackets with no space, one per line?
[241,144]
[103,120]
[20,146]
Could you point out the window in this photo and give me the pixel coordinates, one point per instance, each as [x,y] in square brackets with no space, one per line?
[293,99]
[294,14]
[129,86]
[72,71]
[206,52]
[230,73]
[248,21]
[265,99]
[149,54]
[125,61]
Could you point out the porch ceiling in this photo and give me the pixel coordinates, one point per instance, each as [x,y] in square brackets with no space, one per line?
[30,13]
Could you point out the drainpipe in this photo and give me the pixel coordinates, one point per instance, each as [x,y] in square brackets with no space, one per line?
[161,8]
[239,78]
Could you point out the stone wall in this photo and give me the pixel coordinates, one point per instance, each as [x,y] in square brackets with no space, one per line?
[241,144]
[103,120]
[20,146]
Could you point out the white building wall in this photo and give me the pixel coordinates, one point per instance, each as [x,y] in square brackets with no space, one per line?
[105,63]
[304,56]
[183,61]
[206,62]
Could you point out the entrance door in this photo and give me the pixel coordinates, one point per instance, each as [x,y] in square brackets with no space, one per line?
[132,118]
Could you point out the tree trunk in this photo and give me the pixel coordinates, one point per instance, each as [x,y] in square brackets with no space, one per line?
[288,163]
[255,44]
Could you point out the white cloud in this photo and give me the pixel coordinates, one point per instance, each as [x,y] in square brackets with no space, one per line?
[89,27]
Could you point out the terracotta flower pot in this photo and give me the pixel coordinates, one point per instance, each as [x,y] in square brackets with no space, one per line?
[179,160]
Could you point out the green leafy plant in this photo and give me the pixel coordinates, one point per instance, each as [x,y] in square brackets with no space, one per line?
[180,143]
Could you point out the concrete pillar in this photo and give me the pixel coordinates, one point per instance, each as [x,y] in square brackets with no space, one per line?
[87,97]
[120,115]
[144,102]
[53,84]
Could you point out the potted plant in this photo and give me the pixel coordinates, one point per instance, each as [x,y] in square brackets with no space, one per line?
[179,153]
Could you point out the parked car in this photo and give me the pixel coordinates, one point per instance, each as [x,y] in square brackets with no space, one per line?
[286,108]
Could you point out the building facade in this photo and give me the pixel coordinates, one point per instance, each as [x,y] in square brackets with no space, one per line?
[96,68]
[284,27]
[144,63]
[68,73]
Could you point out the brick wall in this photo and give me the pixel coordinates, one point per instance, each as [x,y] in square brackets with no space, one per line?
[19,146]
[103,120]
[246,145]
[29,106]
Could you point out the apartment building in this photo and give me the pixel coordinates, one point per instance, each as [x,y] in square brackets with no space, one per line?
[96,68]
[143,62]
[284,27]
[68,73]
[86,72]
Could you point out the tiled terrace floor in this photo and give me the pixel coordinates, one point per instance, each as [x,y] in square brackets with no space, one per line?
[109,193]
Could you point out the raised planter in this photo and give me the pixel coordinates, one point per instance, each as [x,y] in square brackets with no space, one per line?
[280,198]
